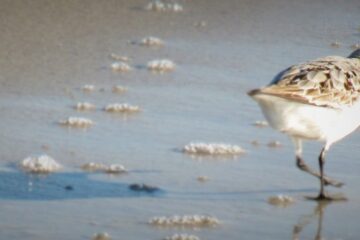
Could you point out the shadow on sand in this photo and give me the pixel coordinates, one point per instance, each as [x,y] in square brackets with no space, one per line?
[61,186]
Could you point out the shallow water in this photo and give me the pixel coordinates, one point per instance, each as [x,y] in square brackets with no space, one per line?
[54,48]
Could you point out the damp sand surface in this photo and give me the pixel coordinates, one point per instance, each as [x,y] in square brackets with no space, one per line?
[51,49]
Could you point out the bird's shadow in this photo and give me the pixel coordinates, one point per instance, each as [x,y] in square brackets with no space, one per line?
[16,185]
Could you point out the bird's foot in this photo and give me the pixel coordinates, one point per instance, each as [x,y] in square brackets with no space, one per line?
[328,181]
[327,197]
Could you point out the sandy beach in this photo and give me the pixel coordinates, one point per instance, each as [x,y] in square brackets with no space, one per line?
[144,110]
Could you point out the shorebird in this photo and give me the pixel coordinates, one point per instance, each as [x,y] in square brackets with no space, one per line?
[316,100]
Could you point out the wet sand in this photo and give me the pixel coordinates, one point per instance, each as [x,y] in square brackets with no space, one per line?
[221,49]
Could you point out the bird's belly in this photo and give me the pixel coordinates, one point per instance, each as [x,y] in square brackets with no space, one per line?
[307,121]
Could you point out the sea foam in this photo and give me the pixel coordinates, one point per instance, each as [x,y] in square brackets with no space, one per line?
[122,108]
[280,200]
[213,149]
[120,67]
[84,106]
[182,236]
[151,42]
[185,221]
[40,164]
[160,6]
[79,122]
[161,65]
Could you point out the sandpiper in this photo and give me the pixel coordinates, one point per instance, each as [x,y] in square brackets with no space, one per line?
[316,100]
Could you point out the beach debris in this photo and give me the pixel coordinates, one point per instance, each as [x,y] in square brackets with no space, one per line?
[212,149]
[261,124]
[119,89]
[115,169]
[163,6]
[202,178]
[78,122]
[101,236]
[88,88]
[100,167]
[143,188]
[182,236]
[84,106]
[120,67]
[274,144]
[151,42]
[122,108]
[335,44]
[185,221]
[161,65]
[120,58]
[280,200]
[355,46]
[40,164]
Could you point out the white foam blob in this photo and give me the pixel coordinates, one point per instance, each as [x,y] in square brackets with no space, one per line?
[261,124]
[160,6]
[79,122]
[84,106]
[122,108]
[119,89]
[213,149]
[151,42]
[182,236]
[117,57]
[280,200]
[120,67]
[101,236]
[161,65]
[100,167]
[88,88]
[40,164]
[185,221]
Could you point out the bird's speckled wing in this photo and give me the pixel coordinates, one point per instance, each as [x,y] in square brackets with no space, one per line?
[329,81]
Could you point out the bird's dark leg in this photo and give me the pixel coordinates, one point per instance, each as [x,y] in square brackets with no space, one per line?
[322,182]
[302,165]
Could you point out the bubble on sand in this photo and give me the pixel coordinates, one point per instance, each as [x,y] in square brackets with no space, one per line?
[122,108]
[100,167]
[40,164]
[161,65]
[160,6]
[119,89]
[101,236]
[281,200]
[151,42]
[120,58]
[182,236]
[185,221]
[84,106]
[213,149]
[78,122]
[274,144]
[88,88]
[261,124]
[120,67]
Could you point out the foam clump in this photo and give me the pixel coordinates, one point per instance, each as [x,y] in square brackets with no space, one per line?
[99,167]
[84,106]
[261,124]
[40,164]
[120,67]
[119,89]
[88,88]
[281,200]
[101,236]
[160,6]
[185,221]
[151,42]
[182,237]
[161,65]
[212,149]
[119,57]
[77,122]
[121,107]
